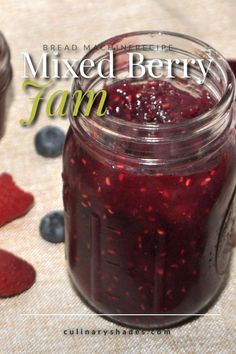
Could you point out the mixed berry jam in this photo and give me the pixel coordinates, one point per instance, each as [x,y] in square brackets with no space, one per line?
[156,102]
[143,242]
[232,64]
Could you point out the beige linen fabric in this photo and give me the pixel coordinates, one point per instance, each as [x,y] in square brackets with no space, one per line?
[28,25]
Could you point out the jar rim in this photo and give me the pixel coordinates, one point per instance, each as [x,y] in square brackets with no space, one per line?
[229,91]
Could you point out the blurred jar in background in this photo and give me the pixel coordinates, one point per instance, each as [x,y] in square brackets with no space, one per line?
[5,79]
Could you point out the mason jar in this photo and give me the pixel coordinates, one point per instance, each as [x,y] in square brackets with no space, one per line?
[5,79]
[149,207]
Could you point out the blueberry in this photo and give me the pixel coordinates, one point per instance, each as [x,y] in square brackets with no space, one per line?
[49,141]
[52,227]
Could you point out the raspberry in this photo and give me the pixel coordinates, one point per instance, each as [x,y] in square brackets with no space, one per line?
[14,202]
[16,275]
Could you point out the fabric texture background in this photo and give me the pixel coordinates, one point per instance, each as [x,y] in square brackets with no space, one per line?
[28,25]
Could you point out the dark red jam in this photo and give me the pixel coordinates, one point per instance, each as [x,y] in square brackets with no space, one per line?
[232,64]
[156,102]
[2,113]
[141,242]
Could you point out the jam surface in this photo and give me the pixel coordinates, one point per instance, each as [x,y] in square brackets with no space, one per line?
[156,102]
[140,242]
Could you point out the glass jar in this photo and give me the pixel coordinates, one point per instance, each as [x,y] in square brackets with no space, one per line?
[149,207]
[5,79]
